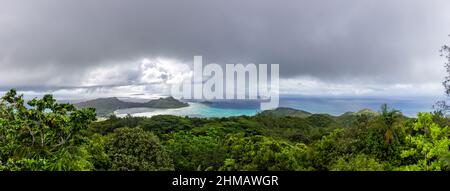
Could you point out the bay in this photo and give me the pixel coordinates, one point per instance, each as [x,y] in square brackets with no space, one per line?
[334,106]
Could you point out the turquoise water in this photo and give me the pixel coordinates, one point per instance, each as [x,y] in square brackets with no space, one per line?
[333,106]
[337,106]
[194,110]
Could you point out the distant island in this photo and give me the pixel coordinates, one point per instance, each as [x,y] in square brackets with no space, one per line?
[107,106]
[291,112]
[206,102]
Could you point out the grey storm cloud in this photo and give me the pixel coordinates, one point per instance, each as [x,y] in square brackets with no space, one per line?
[382,41]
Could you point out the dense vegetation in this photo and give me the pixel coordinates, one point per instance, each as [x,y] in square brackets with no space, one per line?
[44,135]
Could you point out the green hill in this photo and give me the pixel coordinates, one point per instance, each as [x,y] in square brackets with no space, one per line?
[349,118]
[285,111]
[106,106]
[168,102]
[345,120]
[367,112]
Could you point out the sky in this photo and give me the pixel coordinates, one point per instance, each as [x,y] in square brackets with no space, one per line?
[81,49]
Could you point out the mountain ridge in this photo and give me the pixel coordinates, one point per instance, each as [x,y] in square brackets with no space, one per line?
[106,106]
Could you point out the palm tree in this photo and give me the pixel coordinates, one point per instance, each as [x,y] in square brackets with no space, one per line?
[389,117]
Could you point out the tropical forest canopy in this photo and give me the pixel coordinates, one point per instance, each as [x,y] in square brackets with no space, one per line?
[45,135]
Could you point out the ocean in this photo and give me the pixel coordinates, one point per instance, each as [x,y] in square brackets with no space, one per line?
[334,106]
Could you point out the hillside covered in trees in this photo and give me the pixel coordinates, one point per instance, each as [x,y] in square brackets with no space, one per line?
[45,135]
[107,106]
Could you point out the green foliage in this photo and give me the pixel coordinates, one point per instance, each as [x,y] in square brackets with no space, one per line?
[285,112]
[133,149]
[193,152]
[262,153]
[366,136]
[332,147]
[359,162]
[389,118]
[97,152]
[294,128]
[429,145]
[163,124]
[43,136]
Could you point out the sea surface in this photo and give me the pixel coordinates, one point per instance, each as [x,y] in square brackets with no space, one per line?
[334,106]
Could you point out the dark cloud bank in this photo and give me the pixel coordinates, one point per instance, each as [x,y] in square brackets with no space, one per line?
[47,43]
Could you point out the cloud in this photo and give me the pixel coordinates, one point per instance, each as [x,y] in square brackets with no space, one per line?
[307,86]
[164,71]
[145,78]
[54,44]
